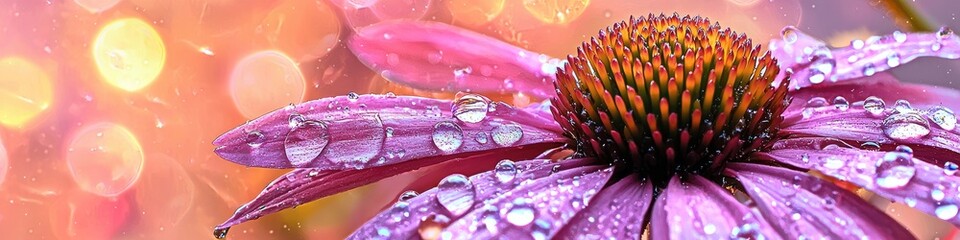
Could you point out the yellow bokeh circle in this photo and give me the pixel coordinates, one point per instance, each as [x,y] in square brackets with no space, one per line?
[129,53]
[25,91]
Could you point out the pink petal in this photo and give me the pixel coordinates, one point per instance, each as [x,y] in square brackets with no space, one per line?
[618,212]
[440,57]
[356,132]
[811,62]
[699,209]
[535,209]
[307,184]
[404,219]
[797,204]
[884,86]
[918,127]
[892,175]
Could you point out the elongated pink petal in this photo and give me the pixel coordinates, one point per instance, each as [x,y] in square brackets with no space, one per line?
[894,175]
[797,204]
[812,63]
[355,132]
[440,57]
[697,208]
[535,209]
[406,218]
[929,129]
[618,212]
[883,86]
[307,184]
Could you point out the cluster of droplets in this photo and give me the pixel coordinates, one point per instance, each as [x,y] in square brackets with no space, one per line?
[901,122]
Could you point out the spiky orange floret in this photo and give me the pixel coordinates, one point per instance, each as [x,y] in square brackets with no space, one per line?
[664,95]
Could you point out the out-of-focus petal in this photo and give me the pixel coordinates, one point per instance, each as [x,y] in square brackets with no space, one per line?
[425,212]
[535,209]
[893,175]
[307,184]
[928,127]
[362,131]
[809,62]
[798,204]
[440,57]
[618,212]
[697,208]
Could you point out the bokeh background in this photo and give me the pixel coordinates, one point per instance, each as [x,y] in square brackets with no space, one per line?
[108,107]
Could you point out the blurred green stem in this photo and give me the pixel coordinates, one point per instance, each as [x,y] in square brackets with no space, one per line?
[907,16]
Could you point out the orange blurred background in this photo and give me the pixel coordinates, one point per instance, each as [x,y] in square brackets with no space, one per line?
[108,107]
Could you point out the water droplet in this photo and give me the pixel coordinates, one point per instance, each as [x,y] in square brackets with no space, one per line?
[937,194]
[481,137]
[911,202]
[895,170]
[944,32]
[902,106]
[874,105]
[507,134]
[390,95]
[873,146]
[254,139]
[471,108]
[946,212]
[709,229]
[833,162]
[407,195]
[935,47]
[220,233]
[305,142]
[943,117]
[389,132]
[521,214]
[431,227]
[352,96]
[789,35]
[905,126]
[456,194]
[313,173]
[841,103]
[869,70]
[447,136]
[816,76]
[950,168]
[540,230]
[399,211]
[505,171]
[899,36]
[816,102]
[856,44]
[893,60]
[805,158]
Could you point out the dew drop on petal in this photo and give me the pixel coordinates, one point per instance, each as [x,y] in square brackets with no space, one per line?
[456,194]
[833,162]
[353,96]
[789,35]
[911,202]
[521,214]
[937,194]
[471,108]
[407,195]
[505,171]
[874,105]
[893,60]
[950,168]
[841,103]
[902,106]
[905,126]
[943,117]
[856,44]
[432,226]
[900,37]
[305,141]
[895,170]
[482,138]
[447,136]
[904,149]
[946,212]
[507,134]
[944,32]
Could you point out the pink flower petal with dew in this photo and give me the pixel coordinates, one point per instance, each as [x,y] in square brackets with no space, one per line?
[363,131]
[536,209]
[894,175]
[425,214]
[797,204]
[931,131]
[307,184]
[883,86]
[809,62]
[697,208]
[618,212]
[439,57]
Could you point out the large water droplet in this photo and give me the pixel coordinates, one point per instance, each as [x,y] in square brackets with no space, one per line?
[943,117]
[946,212]
[407,195]
[789,35]
[507,134]
[905,126]
[944,32]
[305,141]
[471,108]
[950,168]
[893,60]
[899,36]
[841,103]
[456,194]
[447,136]
[902,106]
[856,44]
[254,139]
[521,214]
[895,170]
[874,105]
[937,194]
[505,171]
